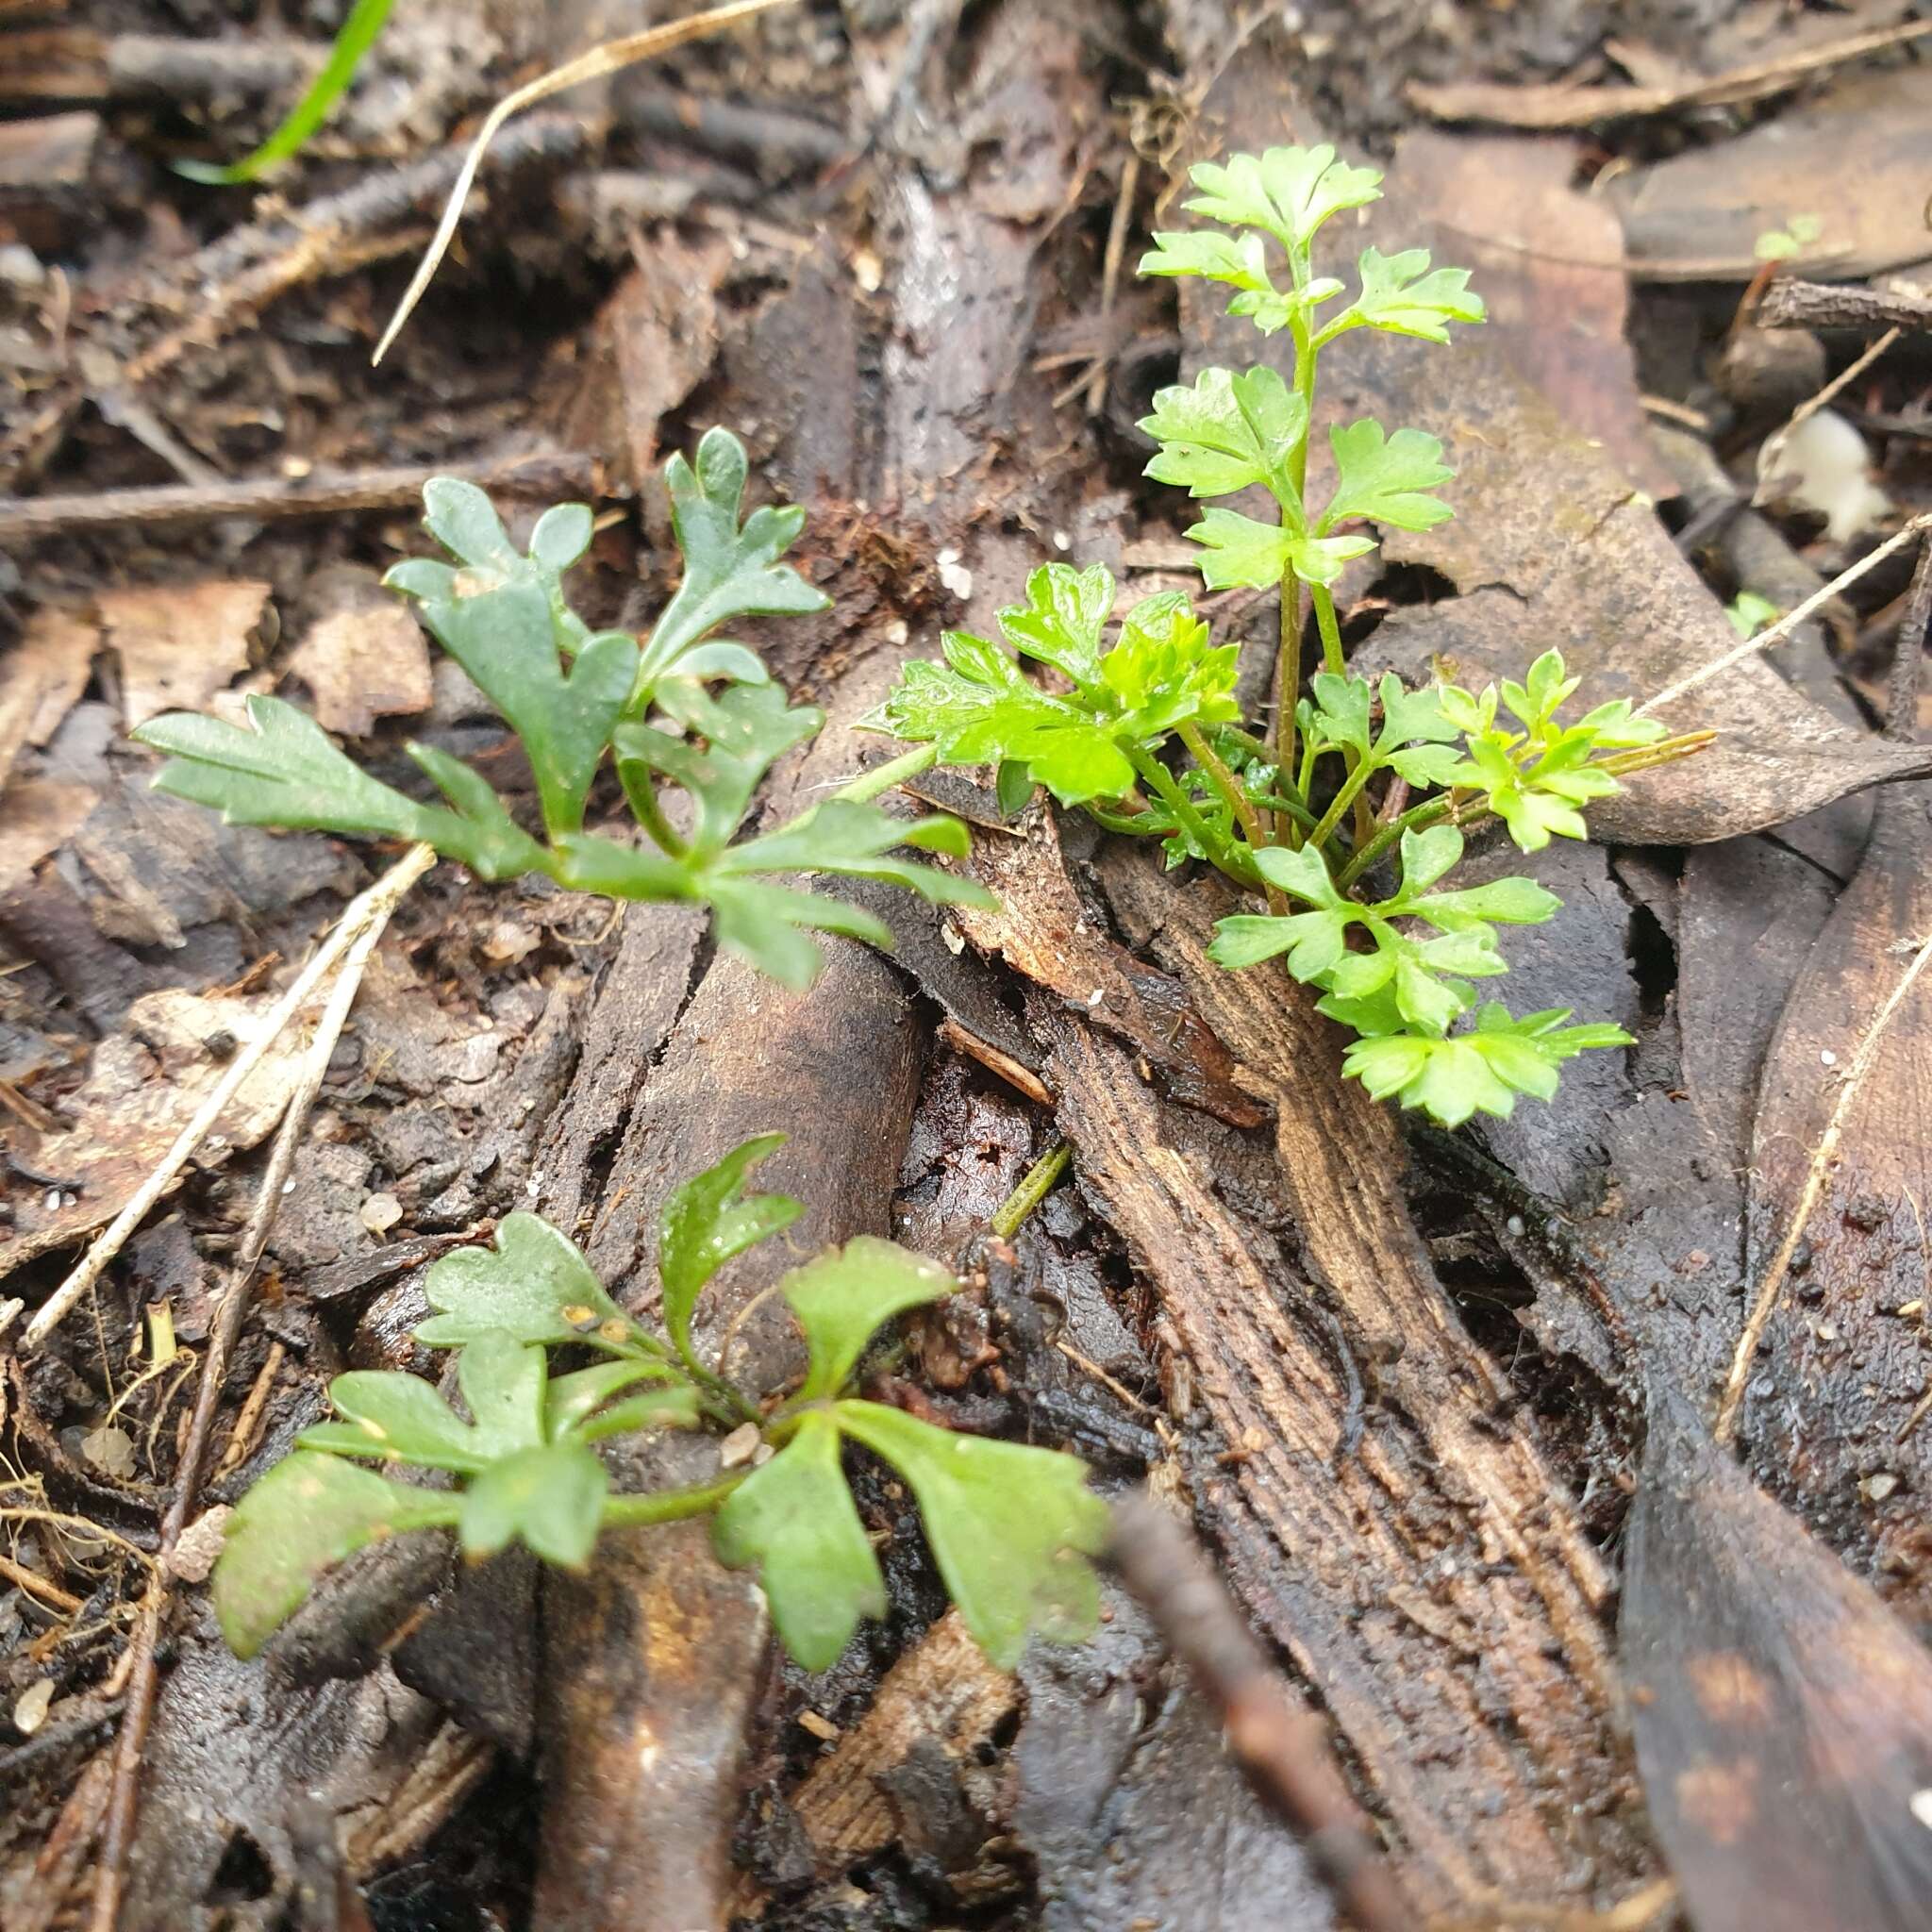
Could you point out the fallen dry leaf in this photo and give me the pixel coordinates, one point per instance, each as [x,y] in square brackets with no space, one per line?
[1783,1715]
[143,1086]
[38,816]
[1858,157]
[40,679]
[364,661]
[181,643]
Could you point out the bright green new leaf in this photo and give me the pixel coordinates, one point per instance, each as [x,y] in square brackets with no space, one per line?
[1287,191]
[730,570]
[794,1519]
[551,1498]
[1402,294]
[1479,1071]
[505,640]
[1062,618]
[847,1294]
[1240,551]
[706,1221]
[1229,431]
[1010,1528]
[531,1285]
[304,1517]
[1240,260]
[1164,671]
[1386,478]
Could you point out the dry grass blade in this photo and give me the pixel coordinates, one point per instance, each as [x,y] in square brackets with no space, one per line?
[609,58]
[372,908]
[1777,632]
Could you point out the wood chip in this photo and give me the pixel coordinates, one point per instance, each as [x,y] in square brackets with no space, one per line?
[364,663]
[37,817]
[40,679]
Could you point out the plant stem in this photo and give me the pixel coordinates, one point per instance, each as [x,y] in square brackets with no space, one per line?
[642,795]
[1036,1184]
[1332,659]
[881,778]
[1238,803]
[1350,791]
[1222,854]
[669,1506]
[1288,686]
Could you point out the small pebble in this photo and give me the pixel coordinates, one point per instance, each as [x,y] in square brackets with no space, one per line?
[380,1213]
[30,1708]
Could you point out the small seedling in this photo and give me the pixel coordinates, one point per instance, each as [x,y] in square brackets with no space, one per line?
[680,707]
[1316,817]
[1799,233]
[1010,1528]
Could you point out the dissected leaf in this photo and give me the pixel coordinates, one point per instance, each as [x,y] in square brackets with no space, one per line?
[1402,294]
[532,1284]
[1063,616]
[795,1521]
[402,1419]
[708,1219]
[1227,432]
[574,1404]
[304,1516]
[844,1296]
[1386,478]
[1287,191]
[550,1498]
[1010,1527]
[730,569]
[1238,551]
[505,640]
[1479,1071]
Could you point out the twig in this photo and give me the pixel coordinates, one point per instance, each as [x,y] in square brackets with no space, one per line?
[1777,632]
[549,474]
[1283,1748]
[607,59]
[1111,278]
[1036,1184]
[372,908]
[363,922]
[1788,304]
[1903,704]
[1551,107]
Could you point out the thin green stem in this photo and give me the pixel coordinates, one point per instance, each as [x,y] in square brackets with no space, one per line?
[1332,659]
[1288,686]
[642,795]
[669,1505]
[1222,854]
[1346,797]
[1431,811]
[1036,1184]
[1238,803]
[881,778]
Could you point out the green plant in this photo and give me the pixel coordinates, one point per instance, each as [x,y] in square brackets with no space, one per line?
[680,708]
[1010,1526]
[357,34]
[1357,779]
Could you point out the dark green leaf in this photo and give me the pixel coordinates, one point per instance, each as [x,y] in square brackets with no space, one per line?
[571,1402]
[494,845]
[531,1285]
[505,640]
[706,1221]
[302,1517]
[1010,1528]
[550,1497]
[794,1519]
[674,1406]
[730,570]
[846,1294]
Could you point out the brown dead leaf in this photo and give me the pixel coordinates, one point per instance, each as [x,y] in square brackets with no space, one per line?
[144,1085]
[1783,1715]
[181,643]
[38,816]
[1858,157]
[364,661]
[40,679]
[1549,260]
[1830,1397]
